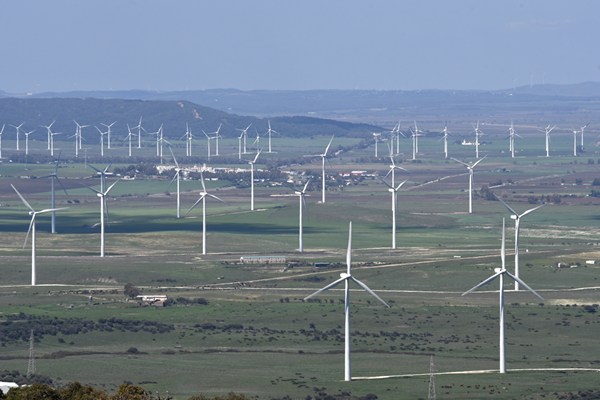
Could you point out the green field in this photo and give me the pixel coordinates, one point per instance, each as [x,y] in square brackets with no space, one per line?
[256,335]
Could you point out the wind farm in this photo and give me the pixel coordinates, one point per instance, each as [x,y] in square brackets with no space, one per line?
[253,313]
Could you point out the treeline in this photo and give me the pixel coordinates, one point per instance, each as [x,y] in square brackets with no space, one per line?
[77,391]
[18,327]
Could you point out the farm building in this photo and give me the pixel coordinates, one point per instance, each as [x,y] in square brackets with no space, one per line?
[152,300]
[263,259]
[6,386]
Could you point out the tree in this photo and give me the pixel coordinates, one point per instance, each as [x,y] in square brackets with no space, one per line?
[131,291]
[76,391]
[37,391]
[131,392]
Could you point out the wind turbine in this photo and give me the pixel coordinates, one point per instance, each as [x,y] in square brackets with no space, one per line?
[582,129]
[49,129]
[203,195]
[398,134]
[346,277]
[470,168]
[252,180]
[139,134]
[376,137]
[101,140]
[188,140]
[103,174]
[27,141]
[478,133]
[52,134]
[415,138]
[31,230]
[499,273]
[244,137]
[269,132]
[517,217]
[216,137]
[394,191]
[392,171]
[54,177]
[1,133]
[547,130]
[445,137]
[511,138]
[301,194]
[78,137]
[18,128]
[102,195]
[176,177]
[108,132]
[208,139]
[129,135]
[323,157]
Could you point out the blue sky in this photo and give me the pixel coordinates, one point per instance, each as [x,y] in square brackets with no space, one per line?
[63,45]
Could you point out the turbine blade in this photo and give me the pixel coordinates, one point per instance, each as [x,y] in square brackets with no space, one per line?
[362,285]
[532,210]
[477,162]
[110,187]
[526,286]
[174,159]
[202,181]
[305,186]
[51,209]
[214,197]
[460,162]
[29,230]
[349,251]
[195,204]
[332,284]
[329,144]
[22,198]
[506,205]
[484,282]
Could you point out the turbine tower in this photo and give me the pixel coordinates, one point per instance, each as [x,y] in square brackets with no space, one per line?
[346,277]
[574,142]
[54,177]
[470,167]
[301,194]
[1,132]
[376,137]
[31,230]
[203,195]
[139,134]
[31,362]
[27,141]
[323,157]
[582,129]
[176,177]
[478,133]
[415,138]
[517,217]
[499,273]
[445,137]
[269,133]
[129,135]
[108,131]
[18,128]
[102,195]
[394,191]
[252,180]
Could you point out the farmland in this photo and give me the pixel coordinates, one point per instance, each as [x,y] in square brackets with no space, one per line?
[245,328]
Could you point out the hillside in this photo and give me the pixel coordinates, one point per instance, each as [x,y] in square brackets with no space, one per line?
[172,114]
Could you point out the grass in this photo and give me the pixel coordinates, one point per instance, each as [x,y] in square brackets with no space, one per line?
[290,347]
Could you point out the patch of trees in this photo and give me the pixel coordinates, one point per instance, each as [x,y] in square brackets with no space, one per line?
[142,168]
[77,391]
[185,301]
[18,327]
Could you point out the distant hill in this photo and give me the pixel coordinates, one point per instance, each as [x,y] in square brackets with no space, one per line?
[377,106]
[172,114]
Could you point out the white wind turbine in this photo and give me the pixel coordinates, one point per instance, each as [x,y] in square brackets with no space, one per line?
[499,273]
[52,134]
[215,136]
[27,141]
[511,139]
[394,191]
[203,195]
[139,134]
[547,130]
[301,194]
[102,195]
[31,230]
[582,129]
[445,137]
[269,133]
[470,167]
[55,179]
[78,137]
[376,137]
[1,133]
[517,217]
[252,179]
[392,171]
[398,134]
[478,133]
[346,277]
[177,177]
[108,130]
[101,140]
[323,157]
[18,128]
[49,129]
[188,140]
[208,139]
[244,138]
[103,174]
[129,135]
[574,142]
[415,138]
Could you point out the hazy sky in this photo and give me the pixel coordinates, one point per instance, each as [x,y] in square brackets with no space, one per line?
[60,45]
